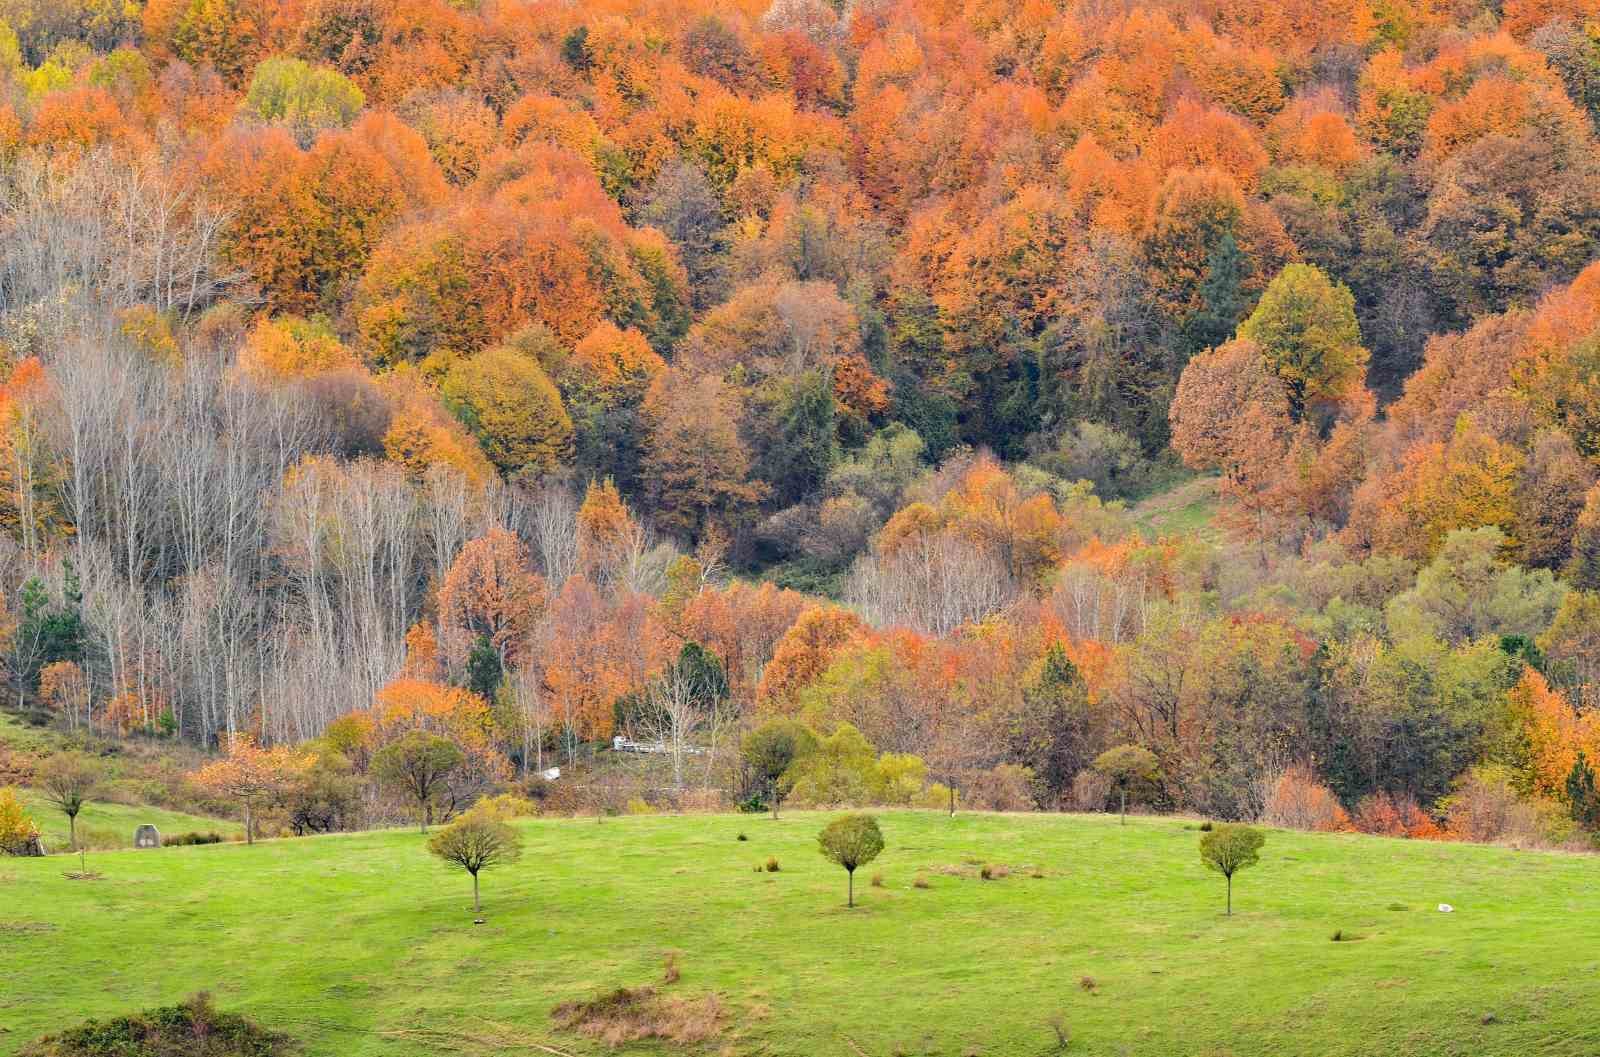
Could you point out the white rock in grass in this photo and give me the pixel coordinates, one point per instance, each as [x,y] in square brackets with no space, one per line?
[1446,908]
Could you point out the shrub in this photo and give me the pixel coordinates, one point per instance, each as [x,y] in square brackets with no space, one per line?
[1484,807]
[185,839]
[919,882]
[986,872]
[877,880]
[1090,790]
[18,834]
[1205,827]
[638,805]
[742,837]
[1008,787]
[772,864]
[505,807]
[703,801]
[1087,983]
[639,1013]
[166,1031]
[1390,815]
[1296,800]
[670,971]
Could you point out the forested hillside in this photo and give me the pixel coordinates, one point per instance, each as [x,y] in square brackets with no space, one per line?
[535,372]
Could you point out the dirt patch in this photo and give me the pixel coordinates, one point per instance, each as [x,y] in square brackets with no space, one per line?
[633,1014]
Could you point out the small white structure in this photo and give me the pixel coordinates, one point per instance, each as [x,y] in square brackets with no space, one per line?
[1446,908]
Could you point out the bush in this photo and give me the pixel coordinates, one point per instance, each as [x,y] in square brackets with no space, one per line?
[184,839]
[1296,800]
[636,1014]
[877,880]
[166,1032]
[919,882]
[1485,808]
[1391,815]
[742,837]
[505,807]
[703,802]
[638,805]
[1008,787]
[1090,791]
[772,864]
[18,834]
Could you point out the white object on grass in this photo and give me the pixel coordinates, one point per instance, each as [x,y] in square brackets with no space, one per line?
[1446,908]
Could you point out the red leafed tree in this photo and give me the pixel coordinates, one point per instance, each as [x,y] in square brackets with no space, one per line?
[491,591]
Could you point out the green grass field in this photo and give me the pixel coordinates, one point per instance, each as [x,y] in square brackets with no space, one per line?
[1187,509]
[363,944]
[105,824]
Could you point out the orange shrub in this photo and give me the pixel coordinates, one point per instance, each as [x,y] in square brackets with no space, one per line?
[1299,801]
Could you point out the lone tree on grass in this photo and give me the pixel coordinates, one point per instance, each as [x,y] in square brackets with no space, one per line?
[1125,765]
[770,751]
[68,780]
[419,766]
[851,841]
[476,842]
[1229,849]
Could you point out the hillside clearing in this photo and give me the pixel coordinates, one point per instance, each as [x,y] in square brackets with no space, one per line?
[362,944]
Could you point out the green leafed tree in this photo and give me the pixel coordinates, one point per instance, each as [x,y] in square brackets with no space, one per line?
[1227,849]
[1127,765]
[308,99]
[419,767]
[851,841]
[1305,325]
[771,752]
[507,399]
[474,842]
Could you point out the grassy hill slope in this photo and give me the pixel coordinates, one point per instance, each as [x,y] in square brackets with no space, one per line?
[364,945]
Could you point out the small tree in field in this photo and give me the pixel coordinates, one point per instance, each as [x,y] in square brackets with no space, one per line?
[1229,849]
[851,841]
[1125,765]
[68,780]
[770,751]
[419,766]
[476,842]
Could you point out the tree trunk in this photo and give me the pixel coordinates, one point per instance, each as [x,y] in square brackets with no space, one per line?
[72,828]
[1124,805]
[249,827]
[952,798]
[477,907]
[1230,895]
[850,900]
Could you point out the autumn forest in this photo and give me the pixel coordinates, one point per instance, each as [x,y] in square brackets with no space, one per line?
[538,374]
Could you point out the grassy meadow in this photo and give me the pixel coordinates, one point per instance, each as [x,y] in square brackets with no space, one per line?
[363,944]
